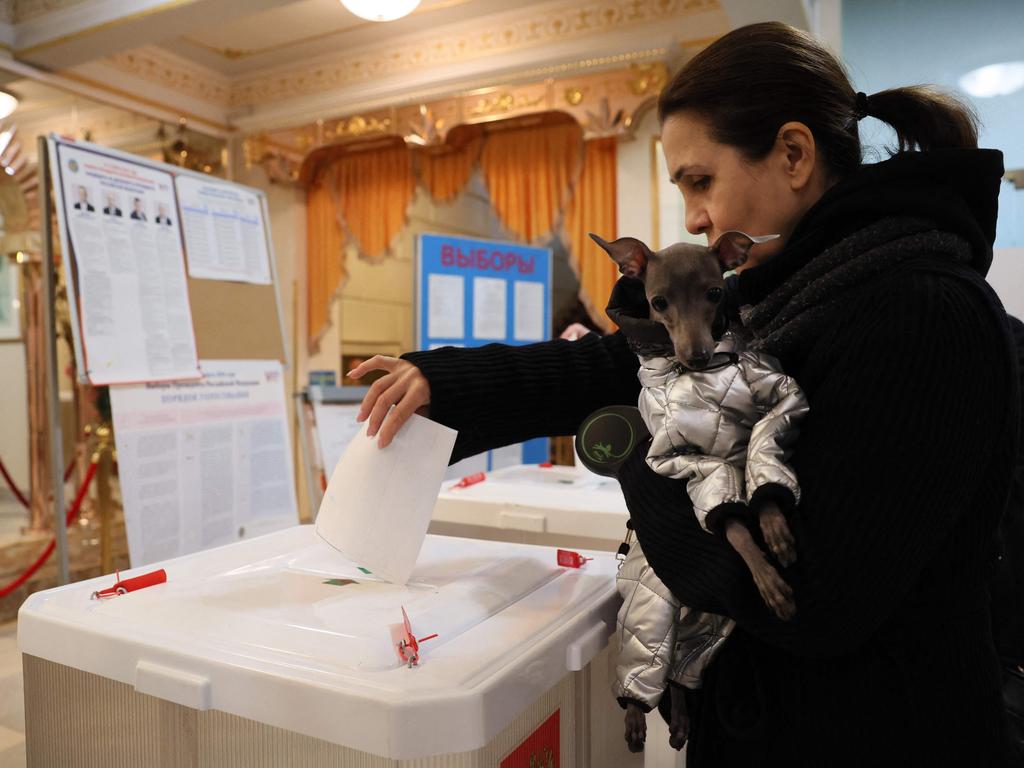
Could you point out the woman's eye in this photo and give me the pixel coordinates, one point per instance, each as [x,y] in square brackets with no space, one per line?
[715,295]
[700,182]
[659,303]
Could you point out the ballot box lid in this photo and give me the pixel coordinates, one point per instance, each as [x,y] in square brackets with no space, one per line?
[283,630]
[556,500]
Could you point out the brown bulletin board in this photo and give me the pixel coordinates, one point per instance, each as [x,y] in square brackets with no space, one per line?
[235,321]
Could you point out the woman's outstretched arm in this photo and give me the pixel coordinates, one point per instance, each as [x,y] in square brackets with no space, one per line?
[497,394]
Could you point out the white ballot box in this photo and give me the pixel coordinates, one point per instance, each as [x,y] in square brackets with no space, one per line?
[278,651]
[535,504]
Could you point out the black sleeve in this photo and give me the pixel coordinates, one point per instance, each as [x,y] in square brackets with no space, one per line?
[906,437]
[498,395]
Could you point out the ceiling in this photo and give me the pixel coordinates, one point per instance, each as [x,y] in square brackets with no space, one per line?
[245,65]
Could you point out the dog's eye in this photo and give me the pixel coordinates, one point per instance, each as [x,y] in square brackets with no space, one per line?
[715,295]
[659,303]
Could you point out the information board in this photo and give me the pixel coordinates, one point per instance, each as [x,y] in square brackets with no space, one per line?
[471,292]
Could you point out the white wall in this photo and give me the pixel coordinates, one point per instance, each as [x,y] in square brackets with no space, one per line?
[1007,278]
[633,181]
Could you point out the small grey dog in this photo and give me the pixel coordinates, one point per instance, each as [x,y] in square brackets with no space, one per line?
[723,418]
[684,285]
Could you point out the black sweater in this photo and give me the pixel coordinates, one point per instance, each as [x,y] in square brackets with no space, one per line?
[905,462]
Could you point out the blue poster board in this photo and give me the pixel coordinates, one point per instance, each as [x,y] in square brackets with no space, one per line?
[474,292]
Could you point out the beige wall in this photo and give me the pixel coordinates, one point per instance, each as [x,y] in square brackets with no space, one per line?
[14,430]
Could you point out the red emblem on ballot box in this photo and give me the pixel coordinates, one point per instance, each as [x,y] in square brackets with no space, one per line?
[541,749]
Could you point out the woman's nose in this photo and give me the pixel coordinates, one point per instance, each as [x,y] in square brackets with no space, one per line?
[697,221]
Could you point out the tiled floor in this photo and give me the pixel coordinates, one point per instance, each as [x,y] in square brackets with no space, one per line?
[12,700]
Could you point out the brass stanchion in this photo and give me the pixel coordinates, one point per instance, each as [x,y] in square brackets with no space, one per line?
[104,451]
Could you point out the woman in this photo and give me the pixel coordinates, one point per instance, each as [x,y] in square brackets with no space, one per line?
[874,300]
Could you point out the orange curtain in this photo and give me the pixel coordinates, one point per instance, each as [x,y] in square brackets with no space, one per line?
[445,174]
[325,260]
[593,210]
[530,173]
[372,191]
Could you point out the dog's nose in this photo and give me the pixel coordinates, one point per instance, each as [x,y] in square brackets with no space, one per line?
[698,361]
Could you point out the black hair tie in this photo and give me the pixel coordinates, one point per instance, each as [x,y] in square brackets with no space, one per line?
[861,106]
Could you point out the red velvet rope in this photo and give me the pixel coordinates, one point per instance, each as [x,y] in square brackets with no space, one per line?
[69,518]
[14,489]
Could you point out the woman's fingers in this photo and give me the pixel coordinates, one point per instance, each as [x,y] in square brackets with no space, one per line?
[375,363]
[391,395]
[403,386]
[370,398]
[412,400]
[403,381]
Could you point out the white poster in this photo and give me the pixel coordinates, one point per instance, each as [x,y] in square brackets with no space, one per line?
[446,305]
[224,231]
[489,308]
[204,463]
[133,300]
[529,322]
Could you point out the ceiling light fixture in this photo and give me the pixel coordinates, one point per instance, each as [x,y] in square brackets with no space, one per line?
[994,80]
[8,103]
[381,10]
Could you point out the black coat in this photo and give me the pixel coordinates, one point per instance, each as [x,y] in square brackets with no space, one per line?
[905,461]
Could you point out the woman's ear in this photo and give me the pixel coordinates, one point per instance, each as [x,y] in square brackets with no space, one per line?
[798,151]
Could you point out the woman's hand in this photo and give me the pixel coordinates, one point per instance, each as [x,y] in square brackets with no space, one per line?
[403,386]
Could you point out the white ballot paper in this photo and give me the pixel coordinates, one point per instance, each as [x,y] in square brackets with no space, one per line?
[379,501]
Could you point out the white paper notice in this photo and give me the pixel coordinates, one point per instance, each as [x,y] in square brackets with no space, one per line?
[204,463]
[529,320]
[489,308]
[379,502]
[135,316]
[336,425]
[224,232]
[446,305]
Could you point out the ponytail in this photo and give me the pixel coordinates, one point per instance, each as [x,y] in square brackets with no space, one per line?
[925,118]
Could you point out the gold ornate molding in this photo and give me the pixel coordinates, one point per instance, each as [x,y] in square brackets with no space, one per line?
[603,103]
[175,73]
[234,54]
[530,29]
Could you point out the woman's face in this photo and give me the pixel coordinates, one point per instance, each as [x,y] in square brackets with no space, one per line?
[724,191]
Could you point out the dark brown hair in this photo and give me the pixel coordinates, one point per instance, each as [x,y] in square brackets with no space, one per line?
[750,82]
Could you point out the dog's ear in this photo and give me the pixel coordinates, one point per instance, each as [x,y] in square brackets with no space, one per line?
[733,247]
[629,253]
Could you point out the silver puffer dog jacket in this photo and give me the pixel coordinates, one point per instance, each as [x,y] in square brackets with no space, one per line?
[658,639]
[727,430]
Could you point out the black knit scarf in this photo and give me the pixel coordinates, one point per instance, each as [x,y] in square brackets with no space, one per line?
[787,321]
